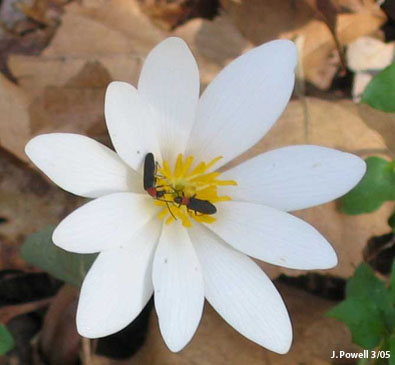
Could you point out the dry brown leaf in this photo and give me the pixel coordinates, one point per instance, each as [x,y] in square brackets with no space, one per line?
[165,14]
[327,11]
[169,14]
[14,117]
[356,6]
[261,21]
[90,34]
[336,125]
[328,123]
[35,73]
[8,312]
[124,17]
[87,48]
[214,44]
[26,27]
[59,339]
[76,106]
[215,342]
[37,10]
[80,35]
[111,49]
[319,47]
[28,202]
[382,122]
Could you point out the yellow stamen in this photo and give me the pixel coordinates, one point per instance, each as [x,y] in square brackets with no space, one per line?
[198,183]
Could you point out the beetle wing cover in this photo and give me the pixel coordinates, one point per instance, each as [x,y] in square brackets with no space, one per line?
[149,171]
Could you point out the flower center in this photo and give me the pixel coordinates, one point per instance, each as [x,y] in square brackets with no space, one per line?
[189,192]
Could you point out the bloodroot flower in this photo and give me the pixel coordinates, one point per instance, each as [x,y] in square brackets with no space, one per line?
[159,236]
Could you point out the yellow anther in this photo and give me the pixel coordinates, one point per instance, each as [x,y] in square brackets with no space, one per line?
[199,183]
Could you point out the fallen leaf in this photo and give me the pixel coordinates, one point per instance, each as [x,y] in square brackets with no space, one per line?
[213,43]
[14,117]
[59,339]
[10,311]
[38,10]
[327,11]
[355,6]
[261,21]
[169,14]
[382,122]
[64,86]
[107,40]
[26,27]
[68,41]
[124,17]
[367,53]
[28,202]
[35,73]
[76,106]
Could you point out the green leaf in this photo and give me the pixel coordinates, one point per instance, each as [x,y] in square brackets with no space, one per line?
[392,349]
[367,310]
[392,283]
[39,250]
[363,320]
[380,92]
[6,340]
[365,284]
[391,295]
[363,361]
[376,187]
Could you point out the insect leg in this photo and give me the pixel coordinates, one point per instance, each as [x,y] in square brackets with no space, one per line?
[168,207]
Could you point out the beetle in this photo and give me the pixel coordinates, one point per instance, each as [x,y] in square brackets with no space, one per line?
[197,205]
[150,177]
[149,181]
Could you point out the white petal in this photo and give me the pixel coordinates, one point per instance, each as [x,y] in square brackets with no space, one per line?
[178,284]
[118,285]
[81,165]
[273,236]
[103,223]
[243,101]
[130,122]
[295,177]
[241,293]
[169,81]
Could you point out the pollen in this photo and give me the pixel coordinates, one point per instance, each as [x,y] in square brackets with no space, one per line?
[186,181]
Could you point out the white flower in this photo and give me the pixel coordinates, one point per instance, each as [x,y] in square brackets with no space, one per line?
[141,253]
